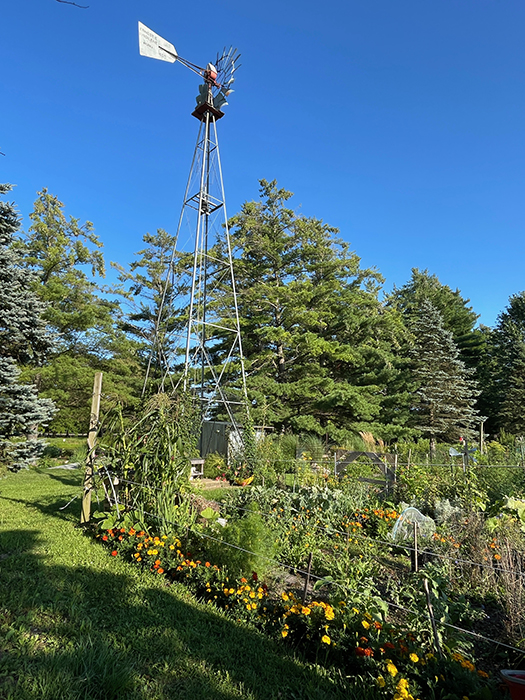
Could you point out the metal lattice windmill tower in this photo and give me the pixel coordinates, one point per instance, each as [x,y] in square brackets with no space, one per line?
[210,345]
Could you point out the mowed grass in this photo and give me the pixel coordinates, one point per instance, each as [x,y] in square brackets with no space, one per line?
[77,623]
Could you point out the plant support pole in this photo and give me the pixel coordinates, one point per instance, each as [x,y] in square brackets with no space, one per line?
[432,619]
[307,581]
[85,515]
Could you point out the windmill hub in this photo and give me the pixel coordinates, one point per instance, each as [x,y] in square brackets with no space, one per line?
[211,74]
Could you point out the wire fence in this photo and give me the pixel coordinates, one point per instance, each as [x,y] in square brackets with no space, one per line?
[330,531]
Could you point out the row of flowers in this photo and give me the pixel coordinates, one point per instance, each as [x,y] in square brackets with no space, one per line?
[360,641]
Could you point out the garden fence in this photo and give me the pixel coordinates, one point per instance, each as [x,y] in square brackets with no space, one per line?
[112,496]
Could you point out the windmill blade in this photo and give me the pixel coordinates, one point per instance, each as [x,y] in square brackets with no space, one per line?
[154,46]
[454,453]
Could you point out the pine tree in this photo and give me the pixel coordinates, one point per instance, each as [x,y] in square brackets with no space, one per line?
[155,299]
[317,341]
[68,265]
[23,339]
[444,402]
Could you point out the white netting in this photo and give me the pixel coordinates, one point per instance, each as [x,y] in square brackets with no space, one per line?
[409,520]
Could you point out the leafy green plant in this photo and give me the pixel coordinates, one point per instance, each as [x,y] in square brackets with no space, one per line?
[150,456]
[246,545]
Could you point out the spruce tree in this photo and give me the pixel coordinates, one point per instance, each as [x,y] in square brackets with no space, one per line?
[23,339]
[505,351]
[446,395]
[458,317]
[511,414]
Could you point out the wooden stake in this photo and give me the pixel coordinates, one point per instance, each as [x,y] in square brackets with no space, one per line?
[415,562]
[92,435]
[306,583]
[432,620]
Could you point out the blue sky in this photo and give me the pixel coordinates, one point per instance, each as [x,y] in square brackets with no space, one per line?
[401,122]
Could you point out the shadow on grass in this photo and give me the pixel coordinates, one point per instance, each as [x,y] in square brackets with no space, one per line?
[52,506]
[68,480]
[73,633]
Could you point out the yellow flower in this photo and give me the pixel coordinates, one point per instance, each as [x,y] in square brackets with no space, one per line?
[284,596]
[326,639]
[392,670]
[414,657]
[305,610]
[284,633]
[355,610]
[365,624]
[329,612]
[381,682]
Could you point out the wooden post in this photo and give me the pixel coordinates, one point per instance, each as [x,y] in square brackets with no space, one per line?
[92,435]
[308,570]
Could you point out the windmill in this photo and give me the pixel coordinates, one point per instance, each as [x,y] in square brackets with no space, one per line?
[213,369]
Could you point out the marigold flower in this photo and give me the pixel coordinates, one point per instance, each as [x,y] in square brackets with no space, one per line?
[114,553]
[392,670]
[414,657]
[284,633]
[325,639]
[381,681]
[365,624]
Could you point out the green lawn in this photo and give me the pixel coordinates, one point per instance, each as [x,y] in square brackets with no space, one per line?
[76,623]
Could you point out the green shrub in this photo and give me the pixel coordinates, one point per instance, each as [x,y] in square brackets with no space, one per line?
[252,546]
[214,465]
